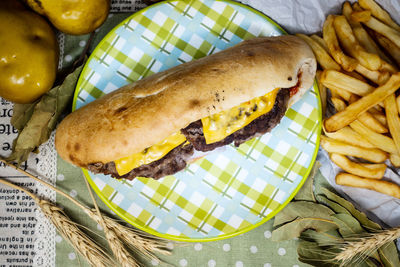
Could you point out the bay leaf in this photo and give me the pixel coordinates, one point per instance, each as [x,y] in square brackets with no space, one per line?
[321,182]
[302,209]
[306,193]
[348,225]
[332,205]
[44,118]
[327,250]
[360,216]
[295,228]
[328,238]
[311,253]
[22,114]
[303,215]
[389,255]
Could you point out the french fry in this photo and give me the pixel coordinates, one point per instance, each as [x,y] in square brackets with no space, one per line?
[319,40]
[379,13]
[380,186]
[366,40]
[395,160]
[375,76]
[381,118]
[388,67]
[383,29]
[378,140]
[345,117]
[355,74]
[374,155]
[334,94]
[351,45]
[398,103]
[323,58]
[392,116]
[329,36]
[363,87]
[341,94]
[376,110]
[356,6]
[389,46]
[368,120]
[361,16]
[322,93]
[373,171]
[338,103]
[348,135]
[341,81]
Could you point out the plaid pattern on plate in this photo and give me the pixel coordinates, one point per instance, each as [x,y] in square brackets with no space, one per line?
[228,192]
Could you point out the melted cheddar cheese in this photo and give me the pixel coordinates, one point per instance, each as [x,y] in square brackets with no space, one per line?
[150,154]
[218,126]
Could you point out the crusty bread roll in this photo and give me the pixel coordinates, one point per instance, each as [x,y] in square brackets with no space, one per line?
[141,114]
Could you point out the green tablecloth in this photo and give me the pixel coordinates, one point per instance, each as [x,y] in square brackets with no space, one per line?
[254,248]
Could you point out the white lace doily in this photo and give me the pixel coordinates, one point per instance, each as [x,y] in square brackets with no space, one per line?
[45,246]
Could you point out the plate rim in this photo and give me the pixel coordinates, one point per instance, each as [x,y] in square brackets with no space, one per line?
[110,205]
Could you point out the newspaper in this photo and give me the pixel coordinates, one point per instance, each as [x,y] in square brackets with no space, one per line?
[17,210]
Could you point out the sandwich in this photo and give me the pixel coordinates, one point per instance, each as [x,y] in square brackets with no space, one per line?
[157,125]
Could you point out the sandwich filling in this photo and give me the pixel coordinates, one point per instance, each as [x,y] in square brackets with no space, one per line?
[222,127]
[215,128]
[218,126]
[195,133]
[153,153]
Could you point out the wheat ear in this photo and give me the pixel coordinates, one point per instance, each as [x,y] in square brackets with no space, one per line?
[116,245]
[83,244]
[365,245]
[138,241]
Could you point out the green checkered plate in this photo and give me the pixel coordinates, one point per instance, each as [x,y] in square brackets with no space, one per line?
[228,192]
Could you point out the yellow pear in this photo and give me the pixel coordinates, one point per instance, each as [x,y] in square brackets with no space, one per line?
[28,53]
[73,16]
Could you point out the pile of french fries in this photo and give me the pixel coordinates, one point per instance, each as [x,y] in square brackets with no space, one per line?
[359,59]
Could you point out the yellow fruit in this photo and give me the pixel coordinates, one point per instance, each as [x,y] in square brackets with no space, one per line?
[73,16]
[28,54]
[35,6]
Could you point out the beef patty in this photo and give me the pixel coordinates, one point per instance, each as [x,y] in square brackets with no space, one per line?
[263,124]
[177,158]
[171,163]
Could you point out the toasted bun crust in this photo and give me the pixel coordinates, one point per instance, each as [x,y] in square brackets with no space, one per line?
[141,114]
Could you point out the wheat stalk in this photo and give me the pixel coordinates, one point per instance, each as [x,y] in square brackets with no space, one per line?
[366,245]
[117,247]
[136,240]
[83,244]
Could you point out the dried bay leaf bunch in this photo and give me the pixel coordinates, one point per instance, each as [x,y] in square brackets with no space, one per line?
[332,231]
